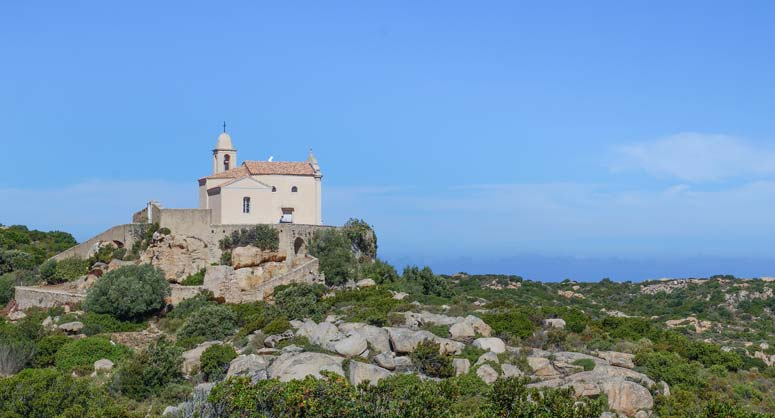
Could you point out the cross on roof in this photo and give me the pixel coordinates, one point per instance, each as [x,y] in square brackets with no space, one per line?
[224,126]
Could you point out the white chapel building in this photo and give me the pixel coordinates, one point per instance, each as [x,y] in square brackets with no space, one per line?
[260,192]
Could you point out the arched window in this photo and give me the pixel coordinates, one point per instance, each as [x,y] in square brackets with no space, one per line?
[294,189]
[226,161]
[245,205]
[274,189]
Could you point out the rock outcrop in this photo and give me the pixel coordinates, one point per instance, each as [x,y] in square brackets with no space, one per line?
[178,256]
[291,366]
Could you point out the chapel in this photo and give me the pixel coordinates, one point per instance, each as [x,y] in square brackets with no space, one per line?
[260,192]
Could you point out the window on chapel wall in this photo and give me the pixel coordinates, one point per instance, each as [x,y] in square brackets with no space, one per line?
[245,205]
[274,189]
[294,189]
[226,161]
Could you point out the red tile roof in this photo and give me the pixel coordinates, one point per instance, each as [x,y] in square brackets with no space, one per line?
[234,173]
[279,167]
[254,168]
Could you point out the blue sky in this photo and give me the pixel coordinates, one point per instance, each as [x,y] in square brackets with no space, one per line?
[574,139]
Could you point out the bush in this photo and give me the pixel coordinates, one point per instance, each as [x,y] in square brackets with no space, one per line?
[187,307]
[14,260]
[129,292]
[380,271]
[45,393]
[510,324]
[430,283]
[80,355]
[212,322]
[671,368]
[215,361]
[70,269]
[300,301]
[428,361]
[196,279]
[277,326]
[94,323]
[511,397]
[334,250]
[150,371]
[46,349]
[14,354]
[48,271]
[7,284]
[264,237]
[587,364]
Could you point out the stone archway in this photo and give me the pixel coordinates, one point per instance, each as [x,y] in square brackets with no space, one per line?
[299,246]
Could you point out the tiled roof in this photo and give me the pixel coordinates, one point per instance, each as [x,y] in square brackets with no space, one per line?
[234,173]
[279,167]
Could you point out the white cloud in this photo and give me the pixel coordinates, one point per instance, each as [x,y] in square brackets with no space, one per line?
[698,157]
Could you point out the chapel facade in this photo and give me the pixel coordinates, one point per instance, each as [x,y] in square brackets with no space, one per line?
[261,192]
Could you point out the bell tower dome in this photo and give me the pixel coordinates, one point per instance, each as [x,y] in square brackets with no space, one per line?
[224,154]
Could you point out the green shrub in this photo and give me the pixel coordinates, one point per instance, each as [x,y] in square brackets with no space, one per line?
[334,250]
[299,301]
[7,284]
[188,306]
[511,398]
[150,371]
[277,326]
[48,271]
[510,324]
[380,271]
[46,349]
[15,351]
[264,237]
[129,292]
[370,305]
[164,231]
[196,279]
[70,269]
[215,361]
[80,355]
[94,323]
[587,364]
[430,283]
[212,322]
[14,260]
[46,393]
[671,368]
[428,361]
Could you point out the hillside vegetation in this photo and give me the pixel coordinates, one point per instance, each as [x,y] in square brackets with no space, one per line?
[696,347]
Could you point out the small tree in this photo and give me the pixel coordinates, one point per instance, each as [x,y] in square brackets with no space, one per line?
[150,371]
[215,361]
[129,292]
[212,322]
[334,250]
[70,269]
[429,361]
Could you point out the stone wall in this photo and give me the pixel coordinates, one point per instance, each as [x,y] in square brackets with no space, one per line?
[179,293]
[29,296]
[193,222]
[124,235]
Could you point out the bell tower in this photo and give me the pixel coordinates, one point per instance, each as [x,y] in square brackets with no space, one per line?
[224,154]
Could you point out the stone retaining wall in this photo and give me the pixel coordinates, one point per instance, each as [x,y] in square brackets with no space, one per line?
[29,296]
[126,235]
